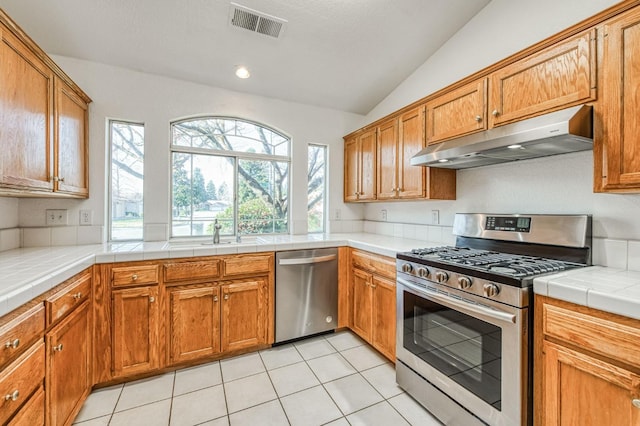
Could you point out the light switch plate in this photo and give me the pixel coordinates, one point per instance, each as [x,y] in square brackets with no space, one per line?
[435,217]
[57,217]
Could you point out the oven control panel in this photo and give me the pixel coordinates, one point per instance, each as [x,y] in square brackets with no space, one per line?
[423,275]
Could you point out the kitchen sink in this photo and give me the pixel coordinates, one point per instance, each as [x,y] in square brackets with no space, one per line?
[207,243]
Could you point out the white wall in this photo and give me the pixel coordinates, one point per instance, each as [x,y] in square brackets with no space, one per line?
[8,213]
[561,184]
[155,101]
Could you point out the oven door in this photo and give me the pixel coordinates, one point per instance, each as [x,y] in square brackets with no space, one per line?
[474,351]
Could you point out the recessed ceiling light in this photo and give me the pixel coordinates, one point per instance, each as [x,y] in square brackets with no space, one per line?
[443,160]
[242,72]
[514,146]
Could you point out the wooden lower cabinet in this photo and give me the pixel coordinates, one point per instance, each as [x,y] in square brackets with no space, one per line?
[374,302]
[587,366]
[244,314]
[194,322]
[135,330]
[68,380]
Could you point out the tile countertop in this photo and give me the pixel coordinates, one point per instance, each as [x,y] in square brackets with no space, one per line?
[26,273]
[608,289]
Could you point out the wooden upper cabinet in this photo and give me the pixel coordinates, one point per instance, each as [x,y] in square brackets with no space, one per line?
[71,142]
[411,139]
[553,78]
[43,122]
[457,113]
[360,167]
[617,148]
[387,167]
[26,117]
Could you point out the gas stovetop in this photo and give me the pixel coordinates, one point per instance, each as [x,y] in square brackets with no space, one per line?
[487,261]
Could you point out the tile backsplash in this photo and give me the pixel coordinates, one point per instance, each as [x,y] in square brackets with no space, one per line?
[60,236]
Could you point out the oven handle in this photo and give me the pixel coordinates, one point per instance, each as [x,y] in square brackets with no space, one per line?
[463,306]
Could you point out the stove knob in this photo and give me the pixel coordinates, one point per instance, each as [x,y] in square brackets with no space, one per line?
[442,277]
[491,290]
[423,272]
[464,282]
[407,268]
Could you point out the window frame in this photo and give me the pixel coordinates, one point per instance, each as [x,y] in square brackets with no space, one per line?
[110,122]
[238,156]
[325,190]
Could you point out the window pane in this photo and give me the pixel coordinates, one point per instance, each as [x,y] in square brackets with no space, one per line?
[229,135]
[127,170]
[316,196]
[263,197]
[202,191]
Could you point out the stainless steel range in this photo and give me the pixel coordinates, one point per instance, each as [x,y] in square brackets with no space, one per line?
[464,313]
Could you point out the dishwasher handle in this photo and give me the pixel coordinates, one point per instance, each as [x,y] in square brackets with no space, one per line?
[307,260]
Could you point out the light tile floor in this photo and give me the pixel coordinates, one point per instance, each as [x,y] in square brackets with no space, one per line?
[335,379]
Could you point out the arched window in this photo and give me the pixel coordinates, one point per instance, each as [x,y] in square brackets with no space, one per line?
[232,170]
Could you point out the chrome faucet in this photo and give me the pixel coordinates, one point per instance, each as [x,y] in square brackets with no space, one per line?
[216,232]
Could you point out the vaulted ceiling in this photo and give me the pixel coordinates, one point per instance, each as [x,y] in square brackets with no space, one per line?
[342,54]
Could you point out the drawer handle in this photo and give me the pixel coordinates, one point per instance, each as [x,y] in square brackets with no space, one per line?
[58,348]
[636,402]
[134,277]
[12,345]
[13,396]
[77,296]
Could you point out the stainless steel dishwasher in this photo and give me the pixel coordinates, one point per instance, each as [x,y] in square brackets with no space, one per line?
[306,292]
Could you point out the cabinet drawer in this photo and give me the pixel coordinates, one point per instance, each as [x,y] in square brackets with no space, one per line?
[32,413]
[375,264]
[248,264]
[20,379]
[181,271]
[61,303]
[20,332]
[594,333]
[134,275]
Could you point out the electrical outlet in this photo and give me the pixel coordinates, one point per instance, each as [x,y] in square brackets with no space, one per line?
[338,215]
[435,217]
[383,215]
[57,217]
[86,217]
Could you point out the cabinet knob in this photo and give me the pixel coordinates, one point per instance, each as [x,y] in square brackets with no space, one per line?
[61,179]
[77,296]
[478,118]
[152,299]
[636,402]
[58,348]
[13,396]
[134,277]
[215,298]
[373,286]
[495,113]
[226,296]
[12,344]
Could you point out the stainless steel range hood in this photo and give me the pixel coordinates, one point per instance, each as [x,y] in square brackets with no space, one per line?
[559,132]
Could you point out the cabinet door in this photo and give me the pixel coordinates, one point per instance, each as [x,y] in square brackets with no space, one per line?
[71,140]
[460,112]
[367,176]
[244,313]
[585,391]
[619,159]
[383,333]
[411,178]
[351,159]
[387,160]
[362,304]
[194,324]
[135,330]
[68,380]
[26,117]
[557,77]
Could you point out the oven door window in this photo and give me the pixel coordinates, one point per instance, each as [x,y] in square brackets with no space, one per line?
[464,348]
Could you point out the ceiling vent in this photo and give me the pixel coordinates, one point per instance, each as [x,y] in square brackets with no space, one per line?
[258,22]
